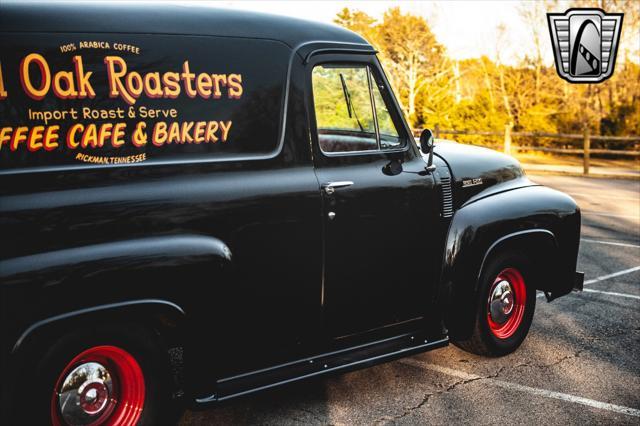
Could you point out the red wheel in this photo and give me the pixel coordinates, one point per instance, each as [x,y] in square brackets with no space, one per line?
[103,385]
[106,374]
[506,303]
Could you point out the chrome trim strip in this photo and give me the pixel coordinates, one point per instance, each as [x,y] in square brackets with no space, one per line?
[404,148]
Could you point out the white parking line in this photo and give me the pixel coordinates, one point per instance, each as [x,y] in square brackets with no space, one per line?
[615,274]
[611,243]
[604,277]
[527,389]
[611,293]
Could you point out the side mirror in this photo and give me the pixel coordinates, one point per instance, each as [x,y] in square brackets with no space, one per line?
[426,141]
[426,146]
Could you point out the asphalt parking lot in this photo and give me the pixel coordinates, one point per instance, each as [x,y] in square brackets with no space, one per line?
[579,365]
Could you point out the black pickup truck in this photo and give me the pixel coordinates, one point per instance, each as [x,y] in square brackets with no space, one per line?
[196,204]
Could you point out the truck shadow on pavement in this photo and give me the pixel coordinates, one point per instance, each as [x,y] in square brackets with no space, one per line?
[580,348]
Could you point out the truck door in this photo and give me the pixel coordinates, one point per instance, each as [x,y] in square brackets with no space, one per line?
[380,208]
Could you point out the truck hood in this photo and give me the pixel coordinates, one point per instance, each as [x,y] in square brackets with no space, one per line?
[478,172]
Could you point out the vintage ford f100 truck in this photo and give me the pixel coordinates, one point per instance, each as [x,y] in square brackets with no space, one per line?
[196,204]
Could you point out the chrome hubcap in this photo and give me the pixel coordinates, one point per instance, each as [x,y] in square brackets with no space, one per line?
[501,302]
[85,393]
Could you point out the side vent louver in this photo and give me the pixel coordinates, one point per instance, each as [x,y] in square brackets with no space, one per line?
[447,197]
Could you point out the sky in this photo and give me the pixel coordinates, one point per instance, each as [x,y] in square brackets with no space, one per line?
[466,28]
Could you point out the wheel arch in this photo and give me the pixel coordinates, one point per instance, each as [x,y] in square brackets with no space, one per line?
[159,319]
[540,244]
[162,316]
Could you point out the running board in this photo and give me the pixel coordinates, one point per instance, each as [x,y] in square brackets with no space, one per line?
[339,361]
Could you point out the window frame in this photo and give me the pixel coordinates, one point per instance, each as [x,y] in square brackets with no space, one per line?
[385,92]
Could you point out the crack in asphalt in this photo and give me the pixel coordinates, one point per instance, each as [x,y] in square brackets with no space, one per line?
[574,355]
[428,396]
[425,400]
[448,388]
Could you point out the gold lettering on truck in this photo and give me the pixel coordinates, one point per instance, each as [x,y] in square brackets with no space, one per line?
[130,85]
[93,128]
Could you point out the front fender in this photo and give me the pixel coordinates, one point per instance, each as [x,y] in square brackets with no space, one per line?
[539,221]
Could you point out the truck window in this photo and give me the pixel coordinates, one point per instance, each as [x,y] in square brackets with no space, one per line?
[344,113]
[389,137]
[351,114]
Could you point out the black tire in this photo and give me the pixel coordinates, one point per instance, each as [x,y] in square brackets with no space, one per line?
[492,340]
[45,369]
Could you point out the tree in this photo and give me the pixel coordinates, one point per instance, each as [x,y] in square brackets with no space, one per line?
[358,22]
[486,94]
[414,56]
[534,15]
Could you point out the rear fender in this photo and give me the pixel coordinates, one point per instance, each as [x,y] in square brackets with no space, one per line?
[168,283]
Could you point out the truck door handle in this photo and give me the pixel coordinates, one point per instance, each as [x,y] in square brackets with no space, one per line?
[330,187]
